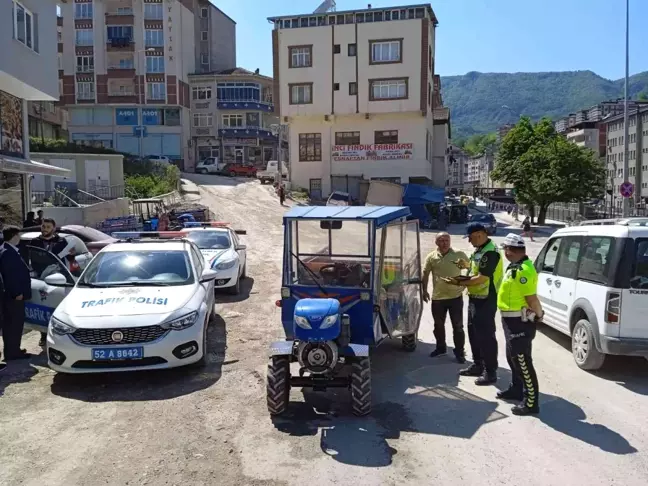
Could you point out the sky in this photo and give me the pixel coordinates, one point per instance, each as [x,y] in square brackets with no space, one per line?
[484,35]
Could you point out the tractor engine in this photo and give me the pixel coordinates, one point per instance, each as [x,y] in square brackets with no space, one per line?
[320,330]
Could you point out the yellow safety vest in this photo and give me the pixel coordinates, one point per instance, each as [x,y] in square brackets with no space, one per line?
[388,276]
[520,281]
[481,291]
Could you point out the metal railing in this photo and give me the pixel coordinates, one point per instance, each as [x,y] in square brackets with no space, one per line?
[67,197]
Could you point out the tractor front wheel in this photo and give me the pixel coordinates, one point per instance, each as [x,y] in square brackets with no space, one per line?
[278,387]
[361,387]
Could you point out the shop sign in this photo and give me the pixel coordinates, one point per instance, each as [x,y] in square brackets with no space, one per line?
[387,151]
[11,125]
[152,117]
[246,142]
[126,116]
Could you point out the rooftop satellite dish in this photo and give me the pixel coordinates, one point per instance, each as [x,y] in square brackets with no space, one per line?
[325,6]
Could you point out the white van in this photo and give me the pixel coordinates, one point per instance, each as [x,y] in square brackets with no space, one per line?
[271,172]
[210,165]
[593,285]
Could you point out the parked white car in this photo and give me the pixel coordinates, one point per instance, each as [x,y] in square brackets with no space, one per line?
[159,158]
[140,304]
[593,285]
[223,252]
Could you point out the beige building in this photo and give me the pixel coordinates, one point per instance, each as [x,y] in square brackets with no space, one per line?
[456,170]
[124,71]
[357,91]
[47,120]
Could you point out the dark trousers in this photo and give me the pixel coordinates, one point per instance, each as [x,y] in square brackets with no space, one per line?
[481,333]
[13,323]
[440,309]
[519,336]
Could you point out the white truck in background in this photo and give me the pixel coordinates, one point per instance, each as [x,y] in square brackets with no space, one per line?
[271,172]
[209,165]
[382,193]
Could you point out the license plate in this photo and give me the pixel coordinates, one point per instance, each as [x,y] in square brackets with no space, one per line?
[116,354]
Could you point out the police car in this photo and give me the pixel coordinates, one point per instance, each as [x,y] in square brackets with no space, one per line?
[223,252]
[143,302]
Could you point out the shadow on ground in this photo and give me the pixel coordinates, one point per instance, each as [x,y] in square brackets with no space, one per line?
[148,385]
[246,285]
[216,180]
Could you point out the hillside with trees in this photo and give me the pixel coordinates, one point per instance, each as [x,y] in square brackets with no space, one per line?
[481,102]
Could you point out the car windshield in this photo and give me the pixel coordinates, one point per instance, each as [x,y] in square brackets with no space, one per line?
[210,240]
[157,268]
[338,196]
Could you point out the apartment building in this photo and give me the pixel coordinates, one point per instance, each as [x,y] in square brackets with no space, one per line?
[47,120]
[357,90]
[637,154]
[232,116]
[588,134]
[456,169]
[593,114]
[215,38]
[27,73]
[125,71]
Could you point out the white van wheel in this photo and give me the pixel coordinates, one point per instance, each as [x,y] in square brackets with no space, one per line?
[584,350]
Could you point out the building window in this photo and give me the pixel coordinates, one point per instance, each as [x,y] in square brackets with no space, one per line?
[347,138]
[85,64]
[204,35]
[310,147]
[336,48]
[232,121]
[204,13]
[300,56]
[24,30]
[352,50]
[238,91]
[353,88]
[84,37]
[301,94]
[156,91]
[119,32]
[154,64]
[201,93]
[386,136]
[154,37]
[83,10]
[386,51]
[153,11]
[126,64]
[387,89]
[204,59]
[336,86]
[85,91]
[203,120]
[124,11]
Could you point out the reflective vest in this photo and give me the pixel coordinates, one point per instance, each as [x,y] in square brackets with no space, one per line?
[388,276]
[481,291]
[520,281]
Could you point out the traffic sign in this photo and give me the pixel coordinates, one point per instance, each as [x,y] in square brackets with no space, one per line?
[626,189]
[140,131]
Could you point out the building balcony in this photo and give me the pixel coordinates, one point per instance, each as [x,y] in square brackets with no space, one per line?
[247,131]
[120,44]
[245,105]
[85,96]
[85,69]
[203,131]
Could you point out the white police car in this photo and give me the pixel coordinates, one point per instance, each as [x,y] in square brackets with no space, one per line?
[142,303]
[223,252]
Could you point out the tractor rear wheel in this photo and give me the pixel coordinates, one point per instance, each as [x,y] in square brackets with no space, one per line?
[278,387]
[361,387]
[409,342]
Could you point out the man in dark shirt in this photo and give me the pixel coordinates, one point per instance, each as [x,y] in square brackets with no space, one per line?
[49,240]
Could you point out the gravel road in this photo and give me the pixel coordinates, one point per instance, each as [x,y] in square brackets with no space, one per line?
[184,427]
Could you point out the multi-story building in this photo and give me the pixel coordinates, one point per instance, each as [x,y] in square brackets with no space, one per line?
[47,120]
[637,155]
[472,172]
[125,66]
[594,114]
[232,116]
[588,134]
[357,91]
[215,39]
[28,66]
[457,160]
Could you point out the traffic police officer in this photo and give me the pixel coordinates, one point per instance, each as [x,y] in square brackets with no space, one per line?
[520,308]
[486,271]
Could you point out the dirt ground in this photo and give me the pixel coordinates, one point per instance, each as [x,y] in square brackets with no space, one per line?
[211,427]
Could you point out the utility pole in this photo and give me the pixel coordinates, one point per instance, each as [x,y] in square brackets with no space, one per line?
[626,162]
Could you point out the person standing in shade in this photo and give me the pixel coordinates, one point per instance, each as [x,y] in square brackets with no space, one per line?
[446,298]
[520,308]
[486,272]
[39,217]
[17,290]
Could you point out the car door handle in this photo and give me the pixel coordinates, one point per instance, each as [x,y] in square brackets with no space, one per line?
[557,283]
[549,281]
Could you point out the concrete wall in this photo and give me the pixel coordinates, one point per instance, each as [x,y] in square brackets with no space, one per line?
[27,73]
[88,215]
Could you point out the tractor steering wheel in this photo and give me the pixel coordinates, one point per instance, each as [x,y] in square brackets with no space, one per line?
[334,273]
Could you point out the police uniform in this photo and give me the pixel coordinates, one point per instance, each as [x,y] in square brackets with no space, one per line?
[520,281]
[482,307]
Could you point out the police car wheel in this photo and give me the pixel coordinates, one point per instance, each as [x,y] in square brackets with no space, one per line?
[409,342]
[278,385]
[203,359]
[361,387]
[586,355]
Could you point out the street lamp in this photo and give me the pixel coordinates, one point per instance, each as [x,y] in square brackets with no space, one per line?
[139,99]
[278,130]
[626,163]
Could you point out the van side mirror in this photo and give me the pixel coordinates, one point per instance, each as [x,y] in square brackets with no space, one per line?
[57,280]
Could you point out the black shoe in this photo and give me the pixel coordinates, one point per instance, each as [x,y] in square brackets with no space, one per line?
[522,409]
[486,379]
[472,370]
[17,357]
[510,394]
[461,359]
[43,341]
[438,352]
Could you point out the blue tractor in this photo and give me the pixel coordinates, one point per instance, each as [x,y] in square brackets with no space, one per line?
[351,279]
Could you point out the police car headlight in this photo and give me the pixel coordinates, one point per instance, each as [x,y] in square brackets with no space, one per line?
[180,323]
[225,265]
[302,322]
[60,327]
[329,321]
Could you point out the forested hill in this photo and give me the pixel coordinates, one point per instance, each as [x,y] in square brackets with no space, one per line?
[476,100]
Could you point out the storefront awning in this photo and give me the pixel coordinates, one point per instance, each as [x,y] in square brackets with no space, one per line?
[23,166]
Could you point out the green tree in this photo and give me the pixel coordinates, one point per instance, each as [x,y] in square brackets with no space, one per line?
[545,168]
[643,96]
[477,145]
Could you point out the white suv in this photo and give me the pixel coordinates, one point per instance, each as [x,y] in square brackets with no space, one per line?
[593,285]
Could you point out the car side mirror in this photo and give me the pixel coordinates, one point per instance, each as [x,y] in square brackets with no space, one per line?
[208,275]
[241,247]
[57,280]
